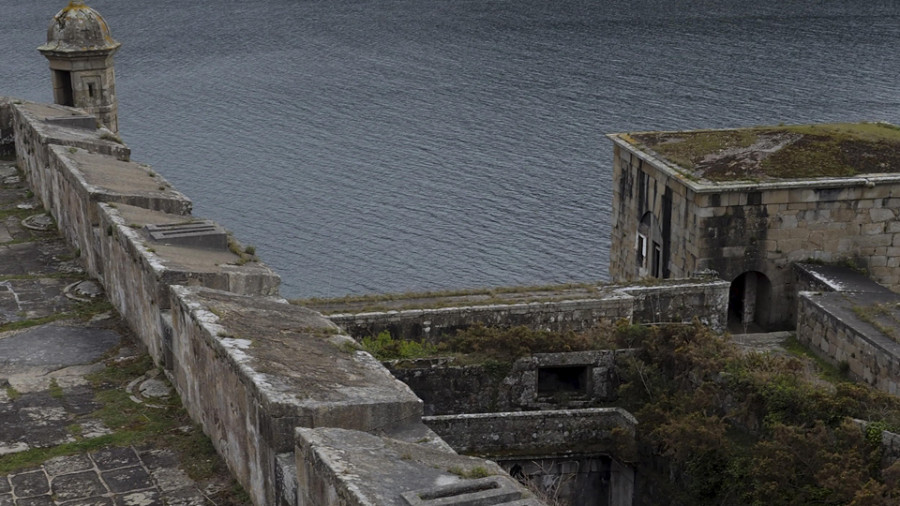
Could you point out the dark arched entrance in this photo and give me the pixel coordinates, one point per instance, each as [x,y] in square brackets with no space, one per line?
[749,302]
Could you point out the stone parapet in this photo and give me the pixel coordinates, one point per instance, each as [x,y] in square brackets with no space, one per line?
[680,302]
[675,301]
[855,329]
[137,273]
[37,126]
[432,324]
[250,367]
[495,435]
[349,468]
[86,179]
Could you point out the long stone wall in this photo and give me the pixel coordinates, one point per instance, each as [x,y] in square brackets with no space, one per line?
[679,301]
[249,367]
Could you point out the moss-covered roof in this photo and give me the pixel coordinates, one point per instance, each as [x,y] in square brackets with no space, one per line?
[778,152]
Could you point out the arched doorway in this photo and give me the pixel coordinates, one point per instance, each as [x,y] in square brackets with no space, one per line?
[749,302]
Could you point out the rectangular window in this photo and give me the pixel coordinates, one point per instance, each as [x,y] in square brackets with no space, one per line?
[657,261]
[641,251]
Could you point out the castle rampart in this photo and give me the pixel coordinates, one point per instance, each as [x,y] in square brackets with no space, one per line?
[249,367]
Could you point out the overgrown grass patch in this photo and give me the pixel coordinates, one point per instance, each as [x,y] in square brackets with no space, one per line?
[781,152]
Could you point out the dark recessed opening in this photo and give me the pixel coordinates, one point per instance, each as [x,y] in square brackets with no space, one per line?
[570,380]
[64,84]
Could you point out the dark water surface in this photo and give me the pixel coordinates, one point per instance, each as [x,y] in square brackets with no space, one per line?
[393,145]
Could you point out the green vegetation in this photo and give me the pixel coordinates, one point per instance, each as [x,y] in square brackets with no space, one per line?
[728,428]
[12,393]
[55,390]
[82,310]
[801,151]
[496,348]
[244,256]
[384,347]
[473,473]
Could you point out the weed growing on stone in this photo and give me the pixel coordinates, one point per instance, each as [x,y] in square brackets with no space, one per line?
[55,390]
[881,316]
[827,371]
[12,393]
[75,430]
[385,347]
[473,473]
[33,322]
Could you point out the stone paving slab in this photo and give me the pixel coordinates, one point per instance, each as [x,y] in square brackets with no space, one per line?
[52,347]
[126,476]
[24,299]
[45,399]
[40,420]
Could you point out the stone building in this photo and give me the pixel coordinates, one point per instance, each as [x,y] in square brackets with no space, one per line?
[80,50]
[745,204]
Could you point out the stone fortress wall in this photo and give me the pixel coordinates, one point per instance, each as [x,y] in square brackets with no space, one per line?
[741,227]
[677,301]
[294,409]
[298,413]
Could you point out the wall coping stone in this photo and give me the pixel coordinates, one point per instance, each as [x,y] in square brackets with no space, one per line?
[368,470]
[108,179]
[56,132]
[298,363]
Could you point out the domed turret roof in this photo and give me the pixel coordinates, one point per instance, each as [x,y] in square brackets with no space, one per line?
[77,27]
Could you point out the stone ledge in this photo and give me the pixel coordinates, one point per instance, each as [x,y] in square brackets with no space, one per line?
[107,179]
[35,115]
[343,467]
[296,362]
[566,432]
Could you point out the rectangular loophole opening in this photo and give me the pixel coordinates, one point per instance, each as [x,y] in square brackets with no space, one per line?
[572,380]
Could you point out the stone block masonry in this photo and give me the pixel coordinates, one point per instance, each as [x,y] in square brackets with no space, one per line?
[249,367]
[856,329]
[675,301]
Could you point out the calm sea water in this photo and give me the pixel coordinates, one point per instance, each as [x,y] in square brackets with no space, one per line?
[392,145]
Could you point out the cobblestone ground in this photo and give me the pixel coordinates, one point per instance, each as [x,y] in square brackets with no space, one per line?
[85,417]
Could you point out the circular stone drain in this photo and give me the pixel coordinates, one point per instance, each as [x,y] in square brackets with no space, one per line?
[83,291]
[149,387]
[41,222]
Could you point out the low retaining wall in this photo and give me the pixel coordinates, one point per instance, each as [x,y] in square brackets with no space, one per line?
[682,301]
[250,367]
[571,432]
[849,328]
[570,455]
